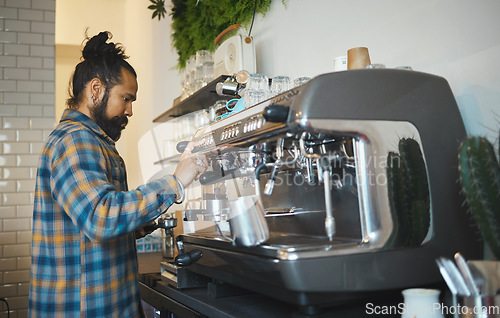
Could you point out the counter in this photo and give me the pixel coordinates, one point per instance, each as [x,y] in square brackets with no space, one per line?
[219,300]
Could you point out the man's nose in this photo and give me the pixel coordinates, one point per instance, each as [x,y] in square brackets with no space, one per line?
[128,110]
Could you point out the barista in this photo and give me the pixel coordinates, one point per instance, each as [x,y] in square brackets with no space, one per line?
[84,261]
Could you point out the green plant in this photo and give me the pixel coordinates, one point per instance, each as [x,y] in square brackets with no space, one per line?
[480,179]
[196,23]
[408,194]
[158,8]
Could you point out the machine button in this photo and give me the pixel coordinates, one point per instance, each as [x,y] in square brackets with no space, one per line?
[276,113]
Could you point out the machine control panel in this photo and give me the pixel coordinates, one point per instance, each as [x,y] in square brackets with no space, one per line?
[235,133]
[248,124]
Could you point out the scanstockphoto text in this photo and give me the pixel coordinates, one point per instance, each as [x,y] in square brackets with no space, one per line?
[372,309]
[374,170]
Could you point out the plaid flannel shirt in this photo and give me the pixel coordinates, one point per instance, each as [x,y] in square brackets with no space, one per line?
[84,261]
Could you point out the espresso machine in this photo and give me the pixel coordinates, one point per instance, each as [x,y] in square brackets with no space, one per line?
[334,190]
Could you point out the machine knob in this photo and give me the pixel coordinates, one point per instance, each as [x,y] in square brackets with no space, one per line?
[210,177]
[181,146]
[276,113]
[186,259]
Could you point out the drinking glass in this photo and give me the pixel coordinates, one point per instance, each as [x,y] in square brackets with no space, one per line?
[202,56]
[190,72]
[301,81]
[208,72]
[200,118]
[280,84]
[258,82]
[217,109]
[202,60]
[253,97]
[187,126]
[256,89]
[374,66]
[184,90]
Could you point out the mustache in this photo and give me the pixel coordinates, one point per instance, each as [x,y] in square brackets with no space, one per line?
[119,121]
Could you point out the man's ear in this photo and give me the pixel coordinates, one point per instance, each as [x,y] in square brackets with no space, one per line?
[97,88]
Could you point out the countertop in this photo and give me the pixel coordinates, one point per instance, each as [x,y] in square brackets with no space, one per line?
[197,302]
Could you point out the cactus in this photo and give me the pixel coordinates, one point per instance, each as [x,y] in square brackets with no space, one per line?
[398,200]
[408,194]
[480,180]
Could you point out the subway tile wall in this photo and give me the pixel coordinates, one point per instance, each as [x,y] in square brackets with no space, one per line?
[27,115]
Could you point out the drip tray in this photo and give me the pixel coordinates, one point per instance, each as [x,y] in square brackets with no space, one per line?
[275,245]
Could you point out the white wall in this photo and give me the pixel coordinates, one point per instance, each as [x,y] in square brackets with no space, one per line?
[73,17]
[456,39]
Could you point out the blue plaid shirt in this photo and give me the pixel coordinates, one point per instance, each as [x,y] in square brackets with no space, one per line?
[84,260]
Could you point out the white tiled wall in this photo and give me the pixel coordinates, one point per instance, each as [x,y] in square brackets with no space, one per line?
[27,73]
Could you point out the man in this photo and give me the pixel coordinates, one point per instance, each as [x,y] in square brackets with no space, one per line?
[84,261]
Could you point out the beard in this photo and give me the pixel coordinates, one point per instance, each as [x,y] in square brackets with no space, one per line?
[111,126]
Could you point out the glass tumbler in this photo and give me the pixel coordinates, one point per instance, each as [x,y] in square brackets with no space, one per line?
[190,72]
[253,97]
[280,84]
[258,82]
[256,89]
[374,66]
[208,72]
[301,81]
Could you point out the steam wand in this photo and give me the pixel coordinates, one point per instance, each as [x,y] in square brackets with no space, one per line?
[268,189]
[330,220]
[323,173]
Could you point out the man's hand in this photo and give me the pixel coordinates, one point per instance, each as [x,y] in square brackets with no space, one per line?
[190,165]
[145,230]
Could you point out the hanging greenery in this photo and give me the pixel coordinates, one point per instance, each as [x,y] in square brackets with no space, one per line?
[196,23]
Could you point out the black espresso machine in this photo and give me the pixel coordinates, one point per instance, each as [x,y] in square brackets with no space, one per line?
[336,189]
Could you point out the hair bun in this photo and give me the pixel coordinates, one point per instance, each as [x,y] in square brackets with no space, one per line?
[98,48]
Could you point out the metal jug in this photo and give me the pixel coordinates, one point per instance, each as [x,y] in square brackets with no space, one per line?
[247,222]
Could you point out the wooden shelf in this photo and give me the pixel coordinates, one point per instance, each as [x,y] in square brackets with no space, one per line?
[202,99]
